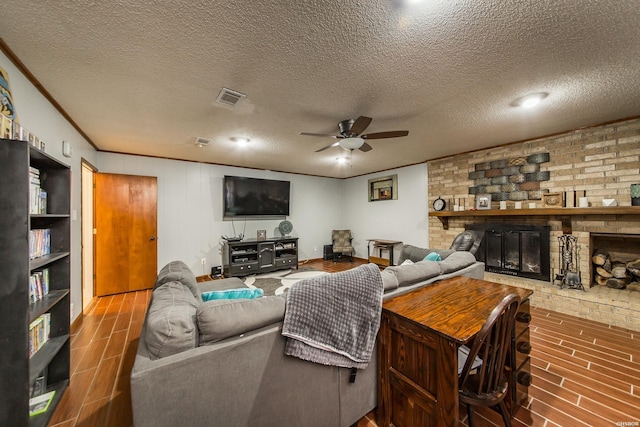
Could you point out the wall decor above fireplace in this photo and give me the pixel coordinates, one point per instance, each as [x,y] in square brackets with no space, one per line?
[517,178]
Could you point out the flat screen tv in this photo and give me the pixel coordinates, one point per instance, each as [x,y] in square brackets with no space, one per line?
[255,197]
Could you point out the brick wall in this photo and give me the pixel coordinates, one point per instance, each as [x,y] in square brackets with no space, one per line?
[604,161]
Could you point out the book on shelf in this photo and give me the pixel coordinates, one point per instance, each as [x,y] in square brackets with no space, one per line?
[39,242]
[39,331]
[37,195]
[38,285]
[40,404]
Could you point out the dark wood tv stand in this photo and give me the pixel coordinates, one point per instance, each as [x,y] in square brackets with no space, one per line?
[253,256]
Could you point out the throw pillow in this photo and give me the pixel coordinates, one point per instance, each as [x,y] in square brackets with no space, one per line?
[243,293]
[220,319]
[433,256]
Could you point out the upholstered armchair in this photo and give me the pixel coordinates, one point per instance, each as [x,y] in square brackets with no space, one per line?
[342,243]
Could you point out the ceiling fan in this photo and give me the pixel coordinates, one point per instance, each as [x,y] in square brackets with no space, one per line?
[350,138]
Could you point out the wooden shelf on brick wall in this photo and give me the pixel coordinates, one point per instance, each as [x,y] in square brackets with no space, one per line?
[565,214]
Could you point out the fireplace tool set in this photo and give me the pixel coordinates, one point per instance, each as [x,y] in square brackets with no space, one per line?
[570,263]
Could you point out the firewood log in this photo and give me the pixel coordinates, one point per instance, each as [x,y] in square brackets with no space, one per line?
[634,286]
[602,281]
[634,267]
[616,283]
[600,257]
[604,273]
[619,270]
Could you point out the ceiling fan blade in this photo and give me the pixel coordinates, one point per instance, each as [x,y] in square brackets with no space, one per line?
[322,134]
[335,144]
[360,125]
[366,147]
[391,134]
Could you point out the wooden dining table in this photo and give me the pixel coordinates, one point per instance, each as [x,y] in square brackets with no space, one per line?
[418,345]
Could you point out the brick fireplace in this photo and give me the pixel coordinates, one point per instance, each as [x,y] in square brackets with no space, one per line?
[603,161]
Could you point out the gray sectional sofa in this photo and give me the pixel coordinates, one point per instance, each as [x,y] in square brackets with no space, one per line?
[222,362]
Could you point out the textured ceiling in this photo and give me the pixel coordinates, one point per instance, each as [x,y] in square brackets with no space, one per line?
[143,76]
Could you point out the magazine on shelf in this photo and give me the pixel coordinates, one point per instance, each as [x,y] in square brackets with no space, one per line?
[40,404]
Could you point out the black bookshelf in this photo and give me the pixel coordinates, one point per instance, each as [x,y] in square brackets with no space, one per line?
[18,371]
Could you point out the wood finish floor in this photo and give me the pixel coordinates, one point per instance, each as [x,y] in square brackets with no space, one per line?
[585,373]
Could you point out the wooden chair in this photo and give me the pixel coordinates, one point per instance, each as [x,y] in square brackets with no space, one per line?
[342,243]
[486,385]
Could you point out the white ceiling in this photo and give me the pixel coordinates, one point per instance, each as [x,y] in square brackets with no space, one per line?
[143,76]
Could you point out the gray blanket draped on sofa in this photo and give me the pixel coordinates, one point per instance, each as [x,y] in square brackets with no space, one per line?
[334,319]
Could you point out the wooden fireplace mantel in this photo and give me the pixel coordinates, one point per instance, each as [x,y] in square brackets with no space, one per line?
[565,214]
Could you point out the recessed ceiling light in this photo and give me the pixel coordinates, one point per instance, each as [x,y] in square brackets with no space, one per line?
[529,101]
[241,141]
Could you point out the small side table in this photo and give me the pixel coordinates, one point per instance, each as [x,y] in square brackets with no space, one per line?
[381,245]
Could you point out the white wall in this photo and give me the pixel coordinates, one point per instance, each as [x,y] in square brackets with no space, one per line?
[404,219]
[40,117]
[189,197]
[190,208]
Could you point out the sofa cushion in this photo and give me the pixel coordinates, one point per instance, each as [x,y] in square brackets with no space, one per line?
[389,279]
[220,319]
[456,261]
[413,273]
[412,253]
[240,293]
[417,254]
[444,253]
[170,324]
[221,284]
[178,271]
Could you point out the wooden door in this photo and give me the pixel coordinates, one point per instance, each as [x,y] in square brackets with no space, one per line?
[126,229]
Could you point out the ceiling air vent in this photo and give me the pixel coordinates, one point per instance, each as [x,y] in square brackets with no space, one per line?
[202,142]
[229,97]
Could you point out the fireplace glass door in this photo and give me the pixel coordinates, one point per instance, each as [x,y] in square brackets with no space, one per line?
[518,250]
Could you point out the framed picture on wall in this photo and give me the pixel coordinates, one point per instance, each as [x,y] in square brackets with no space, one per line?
[262,234]
[483,201]
[384,188]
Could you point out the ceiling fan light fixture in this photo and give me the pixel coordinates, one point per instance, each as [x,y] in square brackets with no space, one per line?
[352,143]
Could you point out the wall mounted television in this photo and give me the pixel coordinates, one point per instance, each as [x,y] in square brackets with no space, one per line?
[255,197]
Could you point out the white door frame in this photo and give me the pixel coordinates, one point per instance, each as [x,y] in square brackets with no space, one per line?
[88,282]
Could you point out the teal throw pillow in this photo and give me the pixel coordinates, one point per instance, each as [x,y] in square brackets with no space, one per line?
[433,256]
[242,293]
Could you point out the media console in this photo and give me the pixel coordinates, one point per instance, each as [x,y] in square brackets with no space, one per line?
[252,256]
